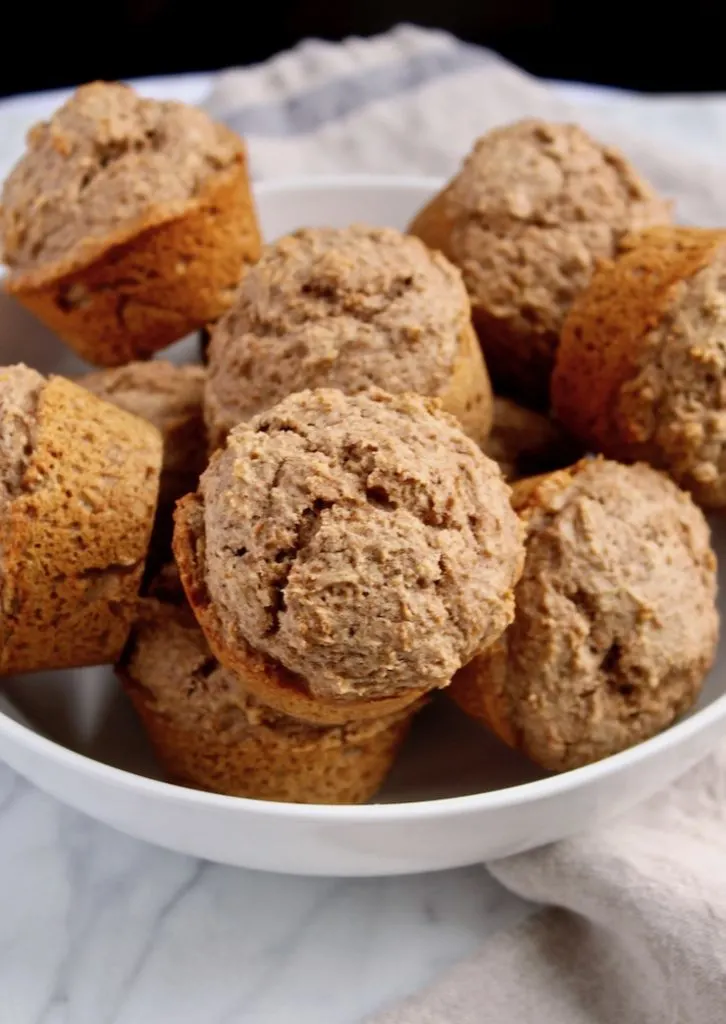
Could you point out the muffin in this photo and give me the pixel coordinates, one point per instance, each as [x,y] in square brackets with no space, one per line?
[80,483]
[524,442]
[346,554]
[349,308]
[127,223]
[209,733]
[641,369]
[616,623]
[526,219]
[170,397]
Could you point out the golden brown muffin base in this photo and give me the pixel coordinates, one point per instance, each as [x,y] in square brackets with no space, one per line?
[605,342]
[272,763]
[155,282]
[468,395]
[266,679]
[75,538]
[169,397]
[479,689]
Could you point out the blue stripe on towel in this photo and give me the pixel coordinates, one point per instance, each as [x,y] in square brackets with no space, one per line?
[342,96]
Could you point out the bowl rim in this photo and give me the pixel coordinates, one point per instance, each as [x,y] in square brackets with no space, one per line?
[361,179]
[537,791]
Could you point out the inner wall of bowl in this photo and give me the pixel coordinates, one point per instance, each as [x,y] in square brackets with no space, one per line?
[86,711]
[338,205]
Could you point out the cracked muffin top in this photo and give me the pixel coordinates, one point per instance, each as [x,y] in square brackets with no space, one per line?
[107,164]
[532,209]
[349,308]
[616,621]
[364,542]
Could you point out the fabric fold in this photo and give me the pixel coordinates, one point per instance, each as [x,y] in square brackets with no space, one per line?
[635,933]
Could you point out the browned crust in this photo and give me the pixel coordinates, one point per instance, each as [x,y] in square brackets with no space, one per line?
[266,679]
[155,282]
[433,225]
[76,537]
[607,328]
[468,395]
[479,689]
[269,762]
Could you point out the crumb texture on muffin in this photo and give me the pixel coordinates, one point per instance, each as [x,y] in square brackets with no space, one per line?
[616,623]
[533,208]
[208,732]
[642,365]
[105,159]
[348,308]
[363,542]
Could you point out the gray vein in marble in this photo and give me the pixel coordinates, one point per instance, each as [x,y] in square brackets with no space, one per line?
[99,928]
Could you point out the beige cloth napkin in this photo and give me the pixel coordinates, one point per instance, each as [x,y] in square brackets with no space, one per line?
[638,935]
[413,100]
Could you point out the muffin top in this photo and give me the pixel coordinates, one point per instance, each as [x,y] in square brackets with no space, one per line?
[19,391]
[166,395]
[616,622]
[643,362]
[532,209]
[349,308]
[107,164]
[364,542]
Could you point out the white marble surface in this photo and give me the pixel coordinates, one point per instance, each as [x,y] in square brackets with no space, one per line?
[97,928]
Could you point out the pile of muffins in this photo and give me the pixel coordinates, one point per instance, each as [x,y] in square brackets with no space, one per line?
[289,548]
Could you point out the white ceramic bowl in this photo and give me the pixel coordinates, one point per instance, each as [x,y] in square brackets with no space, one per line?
[457,796]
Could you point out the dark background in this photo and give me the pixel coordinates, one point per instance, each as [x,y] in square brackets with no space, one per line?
[633,44]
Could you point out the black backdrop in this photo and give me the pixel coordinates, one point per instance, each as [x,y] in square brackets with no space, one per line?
[634,44]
